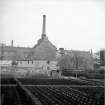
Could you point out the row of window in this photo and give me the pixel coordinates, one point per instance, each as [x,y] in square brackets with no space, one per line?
[28,62]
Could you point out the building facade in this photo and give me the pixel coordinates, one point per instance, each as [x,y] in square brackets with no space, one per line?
[44,51]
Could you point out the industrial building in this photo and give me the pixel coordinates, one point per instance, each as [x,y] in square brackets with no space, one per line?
[44,51]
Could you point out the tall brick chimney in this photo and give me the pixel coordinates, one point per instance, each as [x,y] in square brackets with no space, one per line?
[44,27]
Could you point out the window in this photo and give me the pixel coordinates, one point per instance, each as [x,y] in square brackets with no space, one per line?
[28,61]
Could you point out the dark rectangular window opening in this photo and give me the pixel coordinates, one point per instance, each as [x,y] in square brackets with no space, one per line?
[28,61]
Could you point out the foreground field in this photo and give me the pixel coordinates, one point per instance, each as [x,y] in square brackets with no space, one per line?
[64,96]
[53,92]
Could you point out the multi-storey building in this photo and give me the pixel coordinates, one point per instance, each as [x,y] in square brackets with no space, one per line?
[44,51]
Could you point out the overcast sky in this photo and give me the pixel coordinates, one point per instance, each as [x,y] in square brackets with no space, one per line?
[71,24]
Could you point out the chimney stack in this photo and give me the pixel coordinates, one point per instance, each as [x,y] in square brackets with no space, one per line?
[12,43]
[44,27]
[62,51]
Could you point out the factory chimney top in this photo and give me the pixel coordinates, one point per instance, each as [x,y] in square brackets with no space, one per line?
[44,27]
